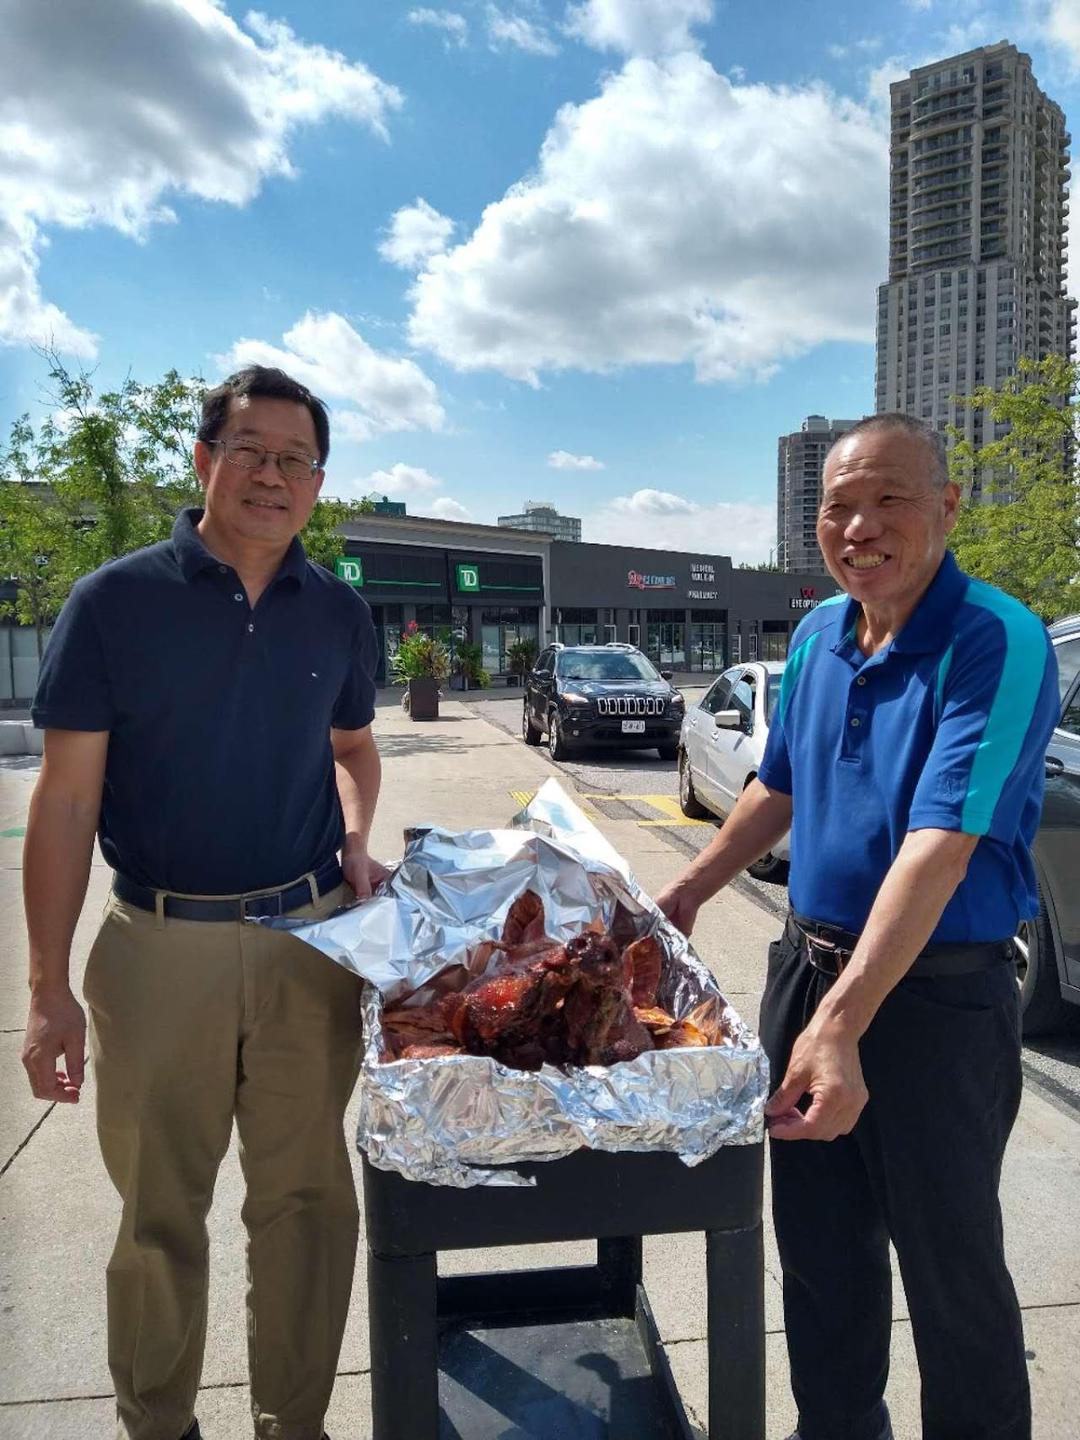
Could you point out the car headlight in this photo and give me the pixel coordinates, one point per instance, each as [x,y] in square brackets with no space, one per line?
[572,699]
[678,702]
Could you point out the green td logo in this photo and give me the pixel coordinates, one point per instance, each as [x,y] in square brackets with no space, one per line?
[349,569]
[468,579]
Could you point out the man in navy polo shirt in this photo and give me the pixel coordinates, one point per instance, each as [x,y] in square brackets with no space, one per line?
[207,707]
[907,758]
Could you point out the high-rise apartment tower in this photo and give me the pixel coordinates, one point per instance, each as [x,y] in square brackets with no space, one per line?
[541,517]
[979,170]
[800,461]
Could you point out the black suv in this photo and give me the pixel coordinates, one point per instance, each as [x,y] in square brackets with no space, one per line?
[601,695]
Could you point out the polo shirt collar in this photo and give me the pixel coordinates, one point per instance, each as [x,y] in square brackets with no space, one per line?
[193,557]
[928,626]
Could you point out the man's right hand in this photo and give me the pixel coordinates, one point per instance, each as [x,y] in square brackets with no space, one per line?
[56,1027]
[679,905]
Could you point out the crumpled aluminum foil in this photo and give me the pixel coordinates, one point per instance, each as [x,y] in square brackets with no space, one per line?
[449,1120]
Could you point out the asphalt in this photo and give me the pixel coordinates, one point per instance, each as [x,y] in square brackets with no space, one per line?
[58,1211]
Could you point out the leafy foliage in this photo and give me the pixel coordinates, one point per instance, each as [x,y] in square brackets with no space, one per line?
[1024,533]
[419,656]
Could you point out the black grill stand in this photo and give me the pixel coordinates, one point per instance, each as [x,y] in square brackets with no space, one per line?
[614,1199]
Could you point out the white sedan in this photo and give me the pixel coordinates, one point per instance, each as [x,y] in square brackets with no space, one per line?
[720,748]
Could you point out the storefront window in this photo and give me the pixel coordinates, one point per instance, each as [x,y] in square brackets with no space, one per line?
[501,627]
[774,640]
[708,636]
[665,642]
[577,627]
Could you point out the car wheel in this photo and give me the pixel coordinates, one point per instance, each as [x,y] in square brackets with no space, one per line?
[1041,1007]
[557,742]
[530,733]
[689,804]
[770,868]
[669,751]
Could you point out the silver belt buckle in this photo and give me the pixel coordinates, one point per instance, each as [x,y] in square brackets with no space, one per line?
[825,956]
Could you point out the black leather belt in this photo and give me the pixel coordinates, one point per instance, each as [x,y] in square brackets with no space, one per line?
[829,949]
[240,907]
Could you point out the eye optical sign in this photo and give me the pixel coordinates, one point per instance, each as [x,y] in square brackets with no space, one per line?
[349,569]
[468,579]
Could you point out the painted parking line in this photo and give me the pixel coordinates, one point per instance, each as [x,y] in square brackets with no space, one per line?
[521,798]
[667,805]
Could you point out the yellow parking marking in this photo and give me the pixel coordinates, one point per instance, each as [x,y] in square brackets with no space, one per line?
[523,797]
[666,804]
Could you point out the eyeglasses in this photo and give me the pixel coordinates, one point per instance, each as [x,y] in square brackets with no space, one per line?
[249,455]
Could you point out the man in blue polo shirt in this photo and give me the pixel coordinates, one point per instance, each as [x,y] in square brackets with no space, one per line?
[907,758]
[207,708]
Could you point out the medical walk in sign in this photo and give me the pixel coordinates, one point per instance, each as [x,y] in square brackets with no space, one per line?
[349,569]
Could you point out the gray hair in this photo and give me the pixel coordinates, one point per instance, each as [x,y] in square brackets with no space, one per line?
[906,425]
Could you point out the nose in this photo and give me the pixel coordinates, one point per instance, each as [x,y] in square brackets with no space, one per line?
[268,472]
[864,524]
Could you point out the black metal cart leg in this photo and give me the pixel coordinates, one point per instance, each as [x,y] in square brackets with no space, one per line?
[619,1263]
[735,1274]
[404,1347]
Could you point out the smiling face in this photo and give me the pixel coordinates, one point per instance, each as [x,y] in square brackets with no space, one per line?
[884,520]
[258,507]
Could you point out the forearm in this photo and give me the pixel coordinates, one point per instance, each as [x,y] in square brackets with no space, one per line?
[56,867]
[359,775]
[760,819]
[913,895]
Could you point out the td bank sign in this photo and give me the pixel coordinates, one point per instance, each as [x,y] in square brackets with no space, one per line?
[349,569]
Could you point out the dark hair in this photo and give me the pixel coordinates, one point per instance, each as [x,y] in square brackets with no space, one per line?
[261,381]
[908,425]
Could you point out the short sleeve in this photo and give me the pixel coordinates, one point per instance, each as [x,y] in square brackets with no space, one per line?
[775,768]
[998,706]
[73,690]
[354,708]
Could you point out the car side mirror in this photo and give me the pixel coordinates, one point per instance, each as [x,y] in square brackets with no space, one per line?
[666,674]
[728,719]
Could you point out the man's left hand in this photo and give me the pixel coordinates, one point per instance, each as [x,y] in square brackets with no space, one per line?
[824,1065]
[363,873]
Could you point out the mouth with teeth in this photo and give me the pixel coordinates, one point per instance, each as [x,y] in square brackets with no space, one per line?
[868,560]
[257,504]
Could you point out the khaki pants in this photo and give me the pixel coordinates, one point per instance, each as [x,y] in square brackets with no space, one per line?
[193,1025]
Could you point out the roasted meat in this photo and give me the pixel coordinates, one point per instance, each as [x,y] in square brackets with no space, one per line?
[533,1000]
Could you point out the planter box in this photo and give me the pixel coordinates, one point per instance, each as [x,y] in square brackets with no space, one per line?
[424,698]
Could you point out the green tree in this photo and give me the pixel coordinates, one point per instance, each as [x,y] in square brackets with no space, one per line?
[1023,532]
[322,534]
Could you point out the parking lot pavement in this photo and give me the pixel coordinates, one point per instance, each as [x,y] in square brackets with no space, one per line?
[59,1212]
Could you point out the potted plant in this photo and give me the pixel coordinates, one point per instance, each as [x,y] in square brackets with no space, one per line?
[422,664]
[522,657]
[469,662]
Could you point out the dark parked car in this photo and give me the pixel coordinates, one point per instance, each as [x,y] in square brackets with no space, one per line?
[1048,960]
[600,695]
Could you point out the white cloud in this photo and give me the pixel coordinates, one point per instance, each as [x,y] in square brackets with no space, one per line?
[659,520]
[563,460]
[638,27]
[857,47]
[445,509]
[1062,27]
[416,233]
[518,33]
[674,218]
[102,123]
[456,27]
[399,480]
[383,392]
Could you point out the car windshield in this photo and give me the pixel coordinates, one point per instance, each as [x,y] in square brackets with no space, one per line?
[614,665]
[773,697]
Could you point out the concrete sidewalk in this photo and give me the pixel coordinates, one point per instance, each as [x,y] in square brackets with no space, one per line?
[58,1211]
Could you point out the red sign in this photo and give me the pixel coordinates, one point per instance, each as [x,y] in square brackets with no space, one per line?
[808,592]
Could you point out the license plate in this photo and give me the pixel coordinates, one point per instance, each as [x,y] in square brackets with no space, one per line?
[633,727]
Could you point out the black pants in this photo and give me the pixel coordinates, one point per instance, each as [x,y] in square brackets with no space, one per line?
[941,1061]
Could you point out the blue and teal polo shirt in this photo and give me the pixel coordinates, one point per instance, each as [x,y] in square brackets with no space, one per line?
[945,728]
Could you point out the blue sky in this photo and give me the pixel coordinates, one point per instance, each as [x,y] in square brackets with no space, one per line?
[597,251]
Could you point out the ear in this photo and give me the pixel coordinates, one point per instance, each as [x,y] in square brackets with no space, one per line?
[202,459]
[320,476]
[951,501]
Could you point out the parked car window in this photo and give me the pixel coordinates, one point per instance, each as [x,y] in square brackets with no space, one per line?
[742,696]
[1068,659]
[1070,719]
[615,665]
[772,697]
[546,662]
[716,698]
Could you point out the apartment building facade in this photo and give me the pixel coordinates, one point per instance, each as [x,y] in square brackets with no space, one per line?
[800,461]
[979,171]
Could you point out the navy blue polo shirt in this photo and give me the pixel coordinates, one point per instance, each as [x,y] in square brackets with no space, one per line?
[220,775]
[945,728]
